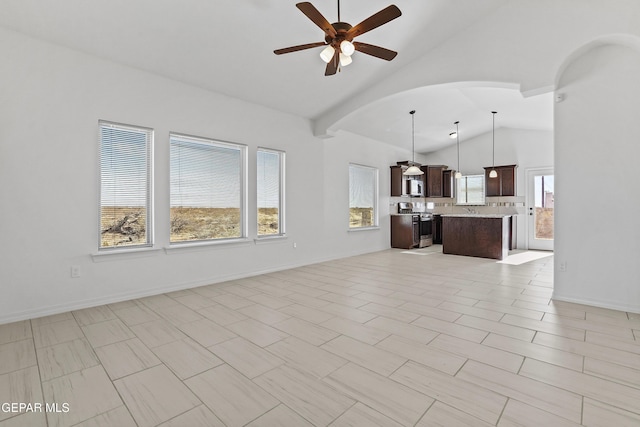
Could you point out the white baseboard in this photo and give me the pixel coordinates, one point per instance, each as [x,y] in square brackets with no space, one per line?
[110,299]
[596,303]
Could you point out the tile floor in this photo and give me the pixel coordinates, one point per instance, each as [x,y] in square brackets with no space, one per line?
[384,339]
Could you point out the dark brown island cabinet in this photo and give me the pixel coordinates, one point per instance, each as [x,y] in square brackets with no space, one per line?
[438,238]
[486,236]
[504,184]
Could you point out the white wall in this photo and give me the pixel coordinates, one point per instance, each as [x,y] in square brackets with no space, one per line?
[597,148]
[52,99]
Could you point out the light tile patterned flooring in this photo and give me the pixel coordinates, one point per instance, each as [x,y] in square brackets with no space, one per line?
[384,339]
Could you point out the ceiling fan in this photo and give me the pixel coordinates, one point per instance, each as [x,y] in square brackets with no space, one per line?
[339,37]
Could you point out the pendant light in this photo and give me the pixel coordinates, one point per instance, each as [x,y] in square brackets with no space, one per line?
[493,173]
[458,174]
[413,169]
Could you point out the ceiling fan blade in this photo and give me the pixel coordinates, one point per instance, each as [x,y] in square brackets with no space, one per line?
[377,51]
[297,48]
[387,14]
[332,66]
[317,18]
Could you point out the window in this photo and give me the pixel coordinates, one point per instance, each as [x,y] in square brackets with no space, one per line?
[125,186]
[470,190]
[363,196]
[270,192]
[206,189]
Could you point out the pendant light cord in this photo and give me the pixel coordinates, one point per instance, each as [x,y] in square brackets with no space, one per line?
[458,143]
[494,139]
[413,137]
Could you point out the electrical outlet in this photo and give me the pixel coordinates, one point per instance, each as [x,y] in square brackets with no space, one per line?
[295,245]
[76,271]
[563,266]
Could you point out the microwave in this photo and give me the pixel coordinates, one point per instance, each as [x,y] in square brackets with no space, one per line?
[414,187]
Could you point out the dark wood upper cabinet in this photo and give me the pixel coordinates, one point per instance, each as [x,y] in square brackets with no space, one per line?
[492,185]
[504,184]
[437,181]
[433,180]
[448,183]
[508,181]
[398,187]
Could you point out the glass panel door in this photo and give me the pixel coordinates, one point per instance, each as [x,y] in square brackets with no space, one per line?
[540,208]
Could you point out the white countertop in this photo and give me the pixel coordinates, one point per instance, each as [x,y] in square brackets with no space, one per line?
[467,215]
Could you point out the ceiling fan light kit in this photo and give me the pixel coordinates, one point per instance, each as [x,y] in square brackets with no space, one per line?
[339,37]
[345,60]
[327,54]
[347,48]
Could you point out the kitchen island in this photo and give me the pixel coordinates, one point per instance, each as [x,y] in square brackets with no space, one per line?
[485,236]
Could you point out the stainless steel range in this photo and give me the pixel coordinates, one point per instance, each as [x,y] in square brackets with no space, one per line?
[426,230]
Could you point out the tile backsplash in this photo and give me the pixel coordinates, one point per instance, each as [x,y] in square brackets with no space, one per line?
[505,205]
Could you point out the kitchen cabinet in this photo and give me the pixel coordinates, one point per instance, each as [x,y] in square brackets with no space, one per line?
[448,183]
[486,236]
[437,229]
[513,235]
[433,180]
[398,181]
[405,231]
[402,185]
[504,184]
[437,181]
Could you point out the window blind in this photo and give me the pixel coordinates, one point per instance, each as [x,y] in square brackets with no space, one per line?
[205,189]
[269,175]
[363,193]
[470,190]
[125,185]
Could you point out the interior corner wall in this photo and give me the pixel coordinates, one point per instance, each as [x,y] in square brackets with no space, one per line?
[597,134]
[52,99]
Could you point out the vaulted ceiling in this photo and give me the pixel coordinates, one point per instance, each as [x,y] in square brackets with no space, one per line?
[226,46]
